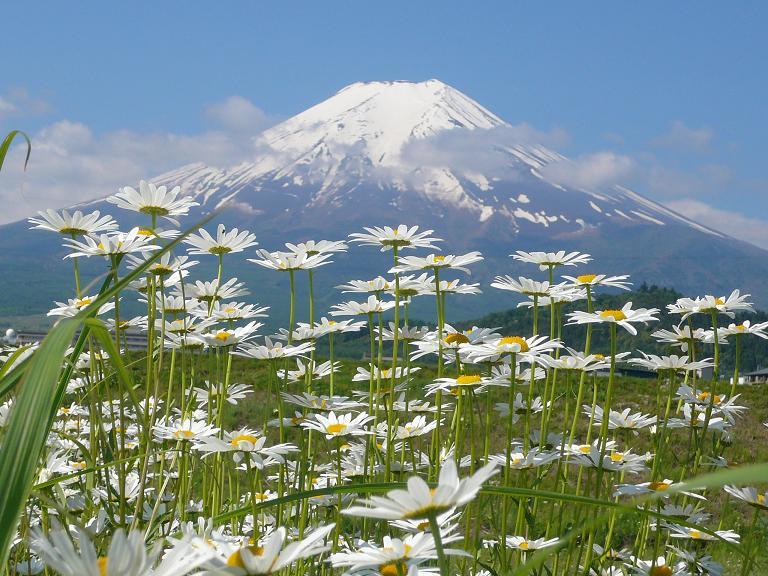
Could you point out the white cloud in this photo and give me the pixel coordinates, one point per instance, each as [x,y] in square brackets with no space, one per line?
[739,226]
[663,181]
[681,137]
[70,163]
[590,171]
[237,114]
[18,102]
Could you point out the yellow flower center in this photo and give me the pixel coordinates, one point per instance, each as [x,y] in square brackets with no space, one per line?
[145,232]
[236,559]
[467,379]
[219,250]
[617,457]
[79,465]
[296,420]
[524,545]
[456,338]
[102,564]
[599,356]
[336,428]
[422,526]
[660,571]
[704,396]
[585,449]
[761,498]
[393,568]
[739,327]
[512,340]
[695,534]
[243,438]
[223,335]
[385,372]
[70,231]
[658,486]
[82,302]
[183,434]
[438,258]
[719,301]
[229,310]
[617,315]
[586,278]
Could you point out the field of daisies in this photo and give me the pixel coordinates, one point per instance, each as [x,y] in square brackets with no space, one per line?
[451,452]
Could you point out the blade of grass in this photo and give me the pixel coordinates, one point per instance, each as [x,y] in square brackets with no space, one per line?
[6,144]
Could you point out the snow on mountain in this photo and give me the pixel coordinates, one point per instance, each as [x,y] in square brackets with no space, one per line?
[395,144]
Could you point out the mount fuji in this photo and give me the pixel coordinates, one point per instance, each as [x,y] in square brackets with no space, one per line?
[421,153]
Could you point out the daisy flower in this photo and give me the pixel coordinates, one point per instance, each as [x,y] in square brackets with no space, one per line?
[694,534]
[525,349]
[111,245]
[338,426]
[231,311]
[313,248]
[271,555]
[377,285]
[436,262]
[74,305]
[224,242]
[186,430]
[401,237]
[166,265]
[289,261]
[747,327]
[673,362]
[244,442]
[76,224]
[522,543]
[749,495]
[547,260]
[625,419]
[682,337]
[593,280]
[320,403]
[126,556]
[419,501]
[273,349]
[210,291]
[371,306]
[711,305]
[229,336]
[522,285]
[624,317]
[153,200]
[658,567]
[395,557]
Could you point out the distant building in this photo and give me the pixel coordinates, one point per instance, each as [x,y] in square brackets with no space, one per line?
[757,377]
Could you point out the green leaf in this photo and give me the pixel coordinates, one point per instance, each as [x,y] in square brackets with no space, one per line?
[27,430]
[6,144]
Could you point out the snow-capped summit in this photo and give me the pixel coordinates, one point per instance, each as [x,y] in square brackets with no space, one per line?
[376,119]
[415,147]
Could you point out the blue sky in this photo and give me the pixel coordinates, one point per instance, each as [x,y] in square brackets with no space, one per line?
[673,91]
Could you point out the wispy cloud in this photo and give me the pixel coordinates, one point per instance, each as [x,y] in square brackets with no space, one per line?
[238,114]
[734,224]
[683,138]
[590,171]
[18,102]
[71,163]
